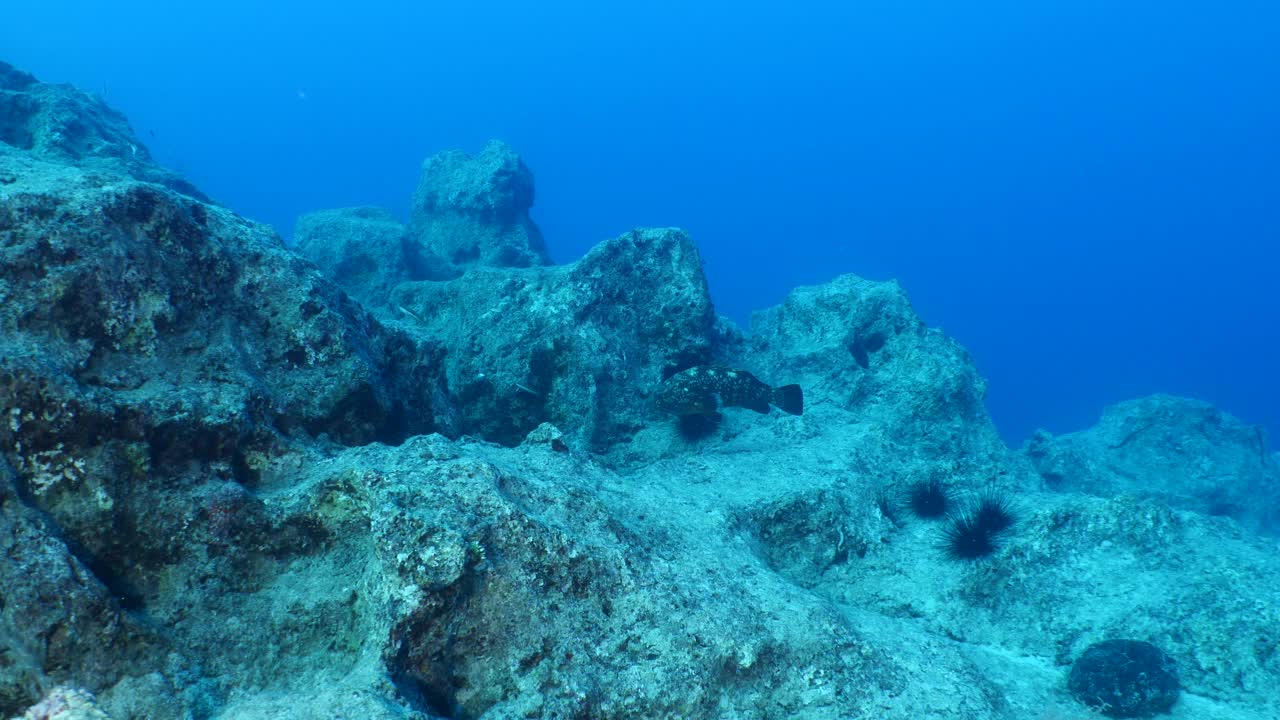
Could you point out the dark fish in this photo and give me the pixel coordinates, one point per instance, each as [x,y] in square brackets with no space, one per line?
[704,389]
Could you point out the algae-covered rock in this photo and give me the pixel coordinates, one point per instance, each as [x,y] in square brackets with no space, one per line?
[1184,452]
[63,124]
[155,351]
[859,344]
[474,211]
[57,618]
[582,346]
[65,703]
[139,295]
[1125,679]
[361,249]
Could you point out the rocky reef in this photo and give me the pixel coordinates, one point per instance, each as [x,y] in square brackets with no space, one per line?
[475,210]
[580,346]
[1183,453]
[415,471]
[64,125]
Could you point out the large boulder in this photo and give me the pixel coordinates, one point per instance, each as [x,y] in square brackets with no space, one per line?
[155,352]
[1183,452]
[122,293]
[859,344]
[582,346]
[365,250]
[474,211]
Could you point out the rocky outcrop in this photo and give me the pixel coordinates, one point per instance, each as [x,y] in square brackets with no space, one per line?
[157,350]
[63,124]
[125,298]
[582,346]
[474,211]
[468,212]
[1182,452]
[364,250]
[228,490]
[57,617]
[859,344]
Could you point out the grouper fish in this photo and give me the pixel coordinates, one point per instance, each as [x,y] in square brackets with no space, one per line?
[704,389]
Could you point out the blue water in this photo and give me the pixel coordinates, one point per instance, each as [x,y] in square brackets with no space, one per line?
[1085,194]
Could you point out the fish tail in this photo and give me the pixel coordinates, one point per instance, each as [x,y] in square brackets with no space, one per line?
[790,398]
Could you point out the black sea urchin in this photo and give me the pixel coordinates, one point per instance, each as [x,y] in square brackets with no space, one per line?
[977,531]
[929,498]
[995,511]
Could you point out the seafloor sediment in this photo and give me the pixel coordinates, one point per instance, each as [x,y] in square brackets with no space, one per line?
[416,471]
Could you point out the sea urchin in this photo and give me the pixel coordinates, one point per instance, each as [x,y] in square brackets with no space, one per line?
[976,532]
[929,498]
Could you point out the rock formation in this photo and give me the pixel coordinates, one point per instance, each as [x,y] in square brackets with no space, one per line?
[1183,453]
[62,124]
[582,346]
[474,211]
[360,249]
[239,484]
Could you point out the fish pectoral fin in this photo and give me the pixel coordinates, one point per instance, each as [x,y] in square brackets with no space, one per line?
[708,404]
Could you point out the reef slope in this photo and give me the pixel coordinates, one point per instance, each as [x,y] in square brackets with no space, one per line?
[240,484]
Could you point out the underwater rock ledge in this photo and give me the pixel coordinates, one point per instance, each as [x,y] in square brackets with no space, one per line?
[393,481]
